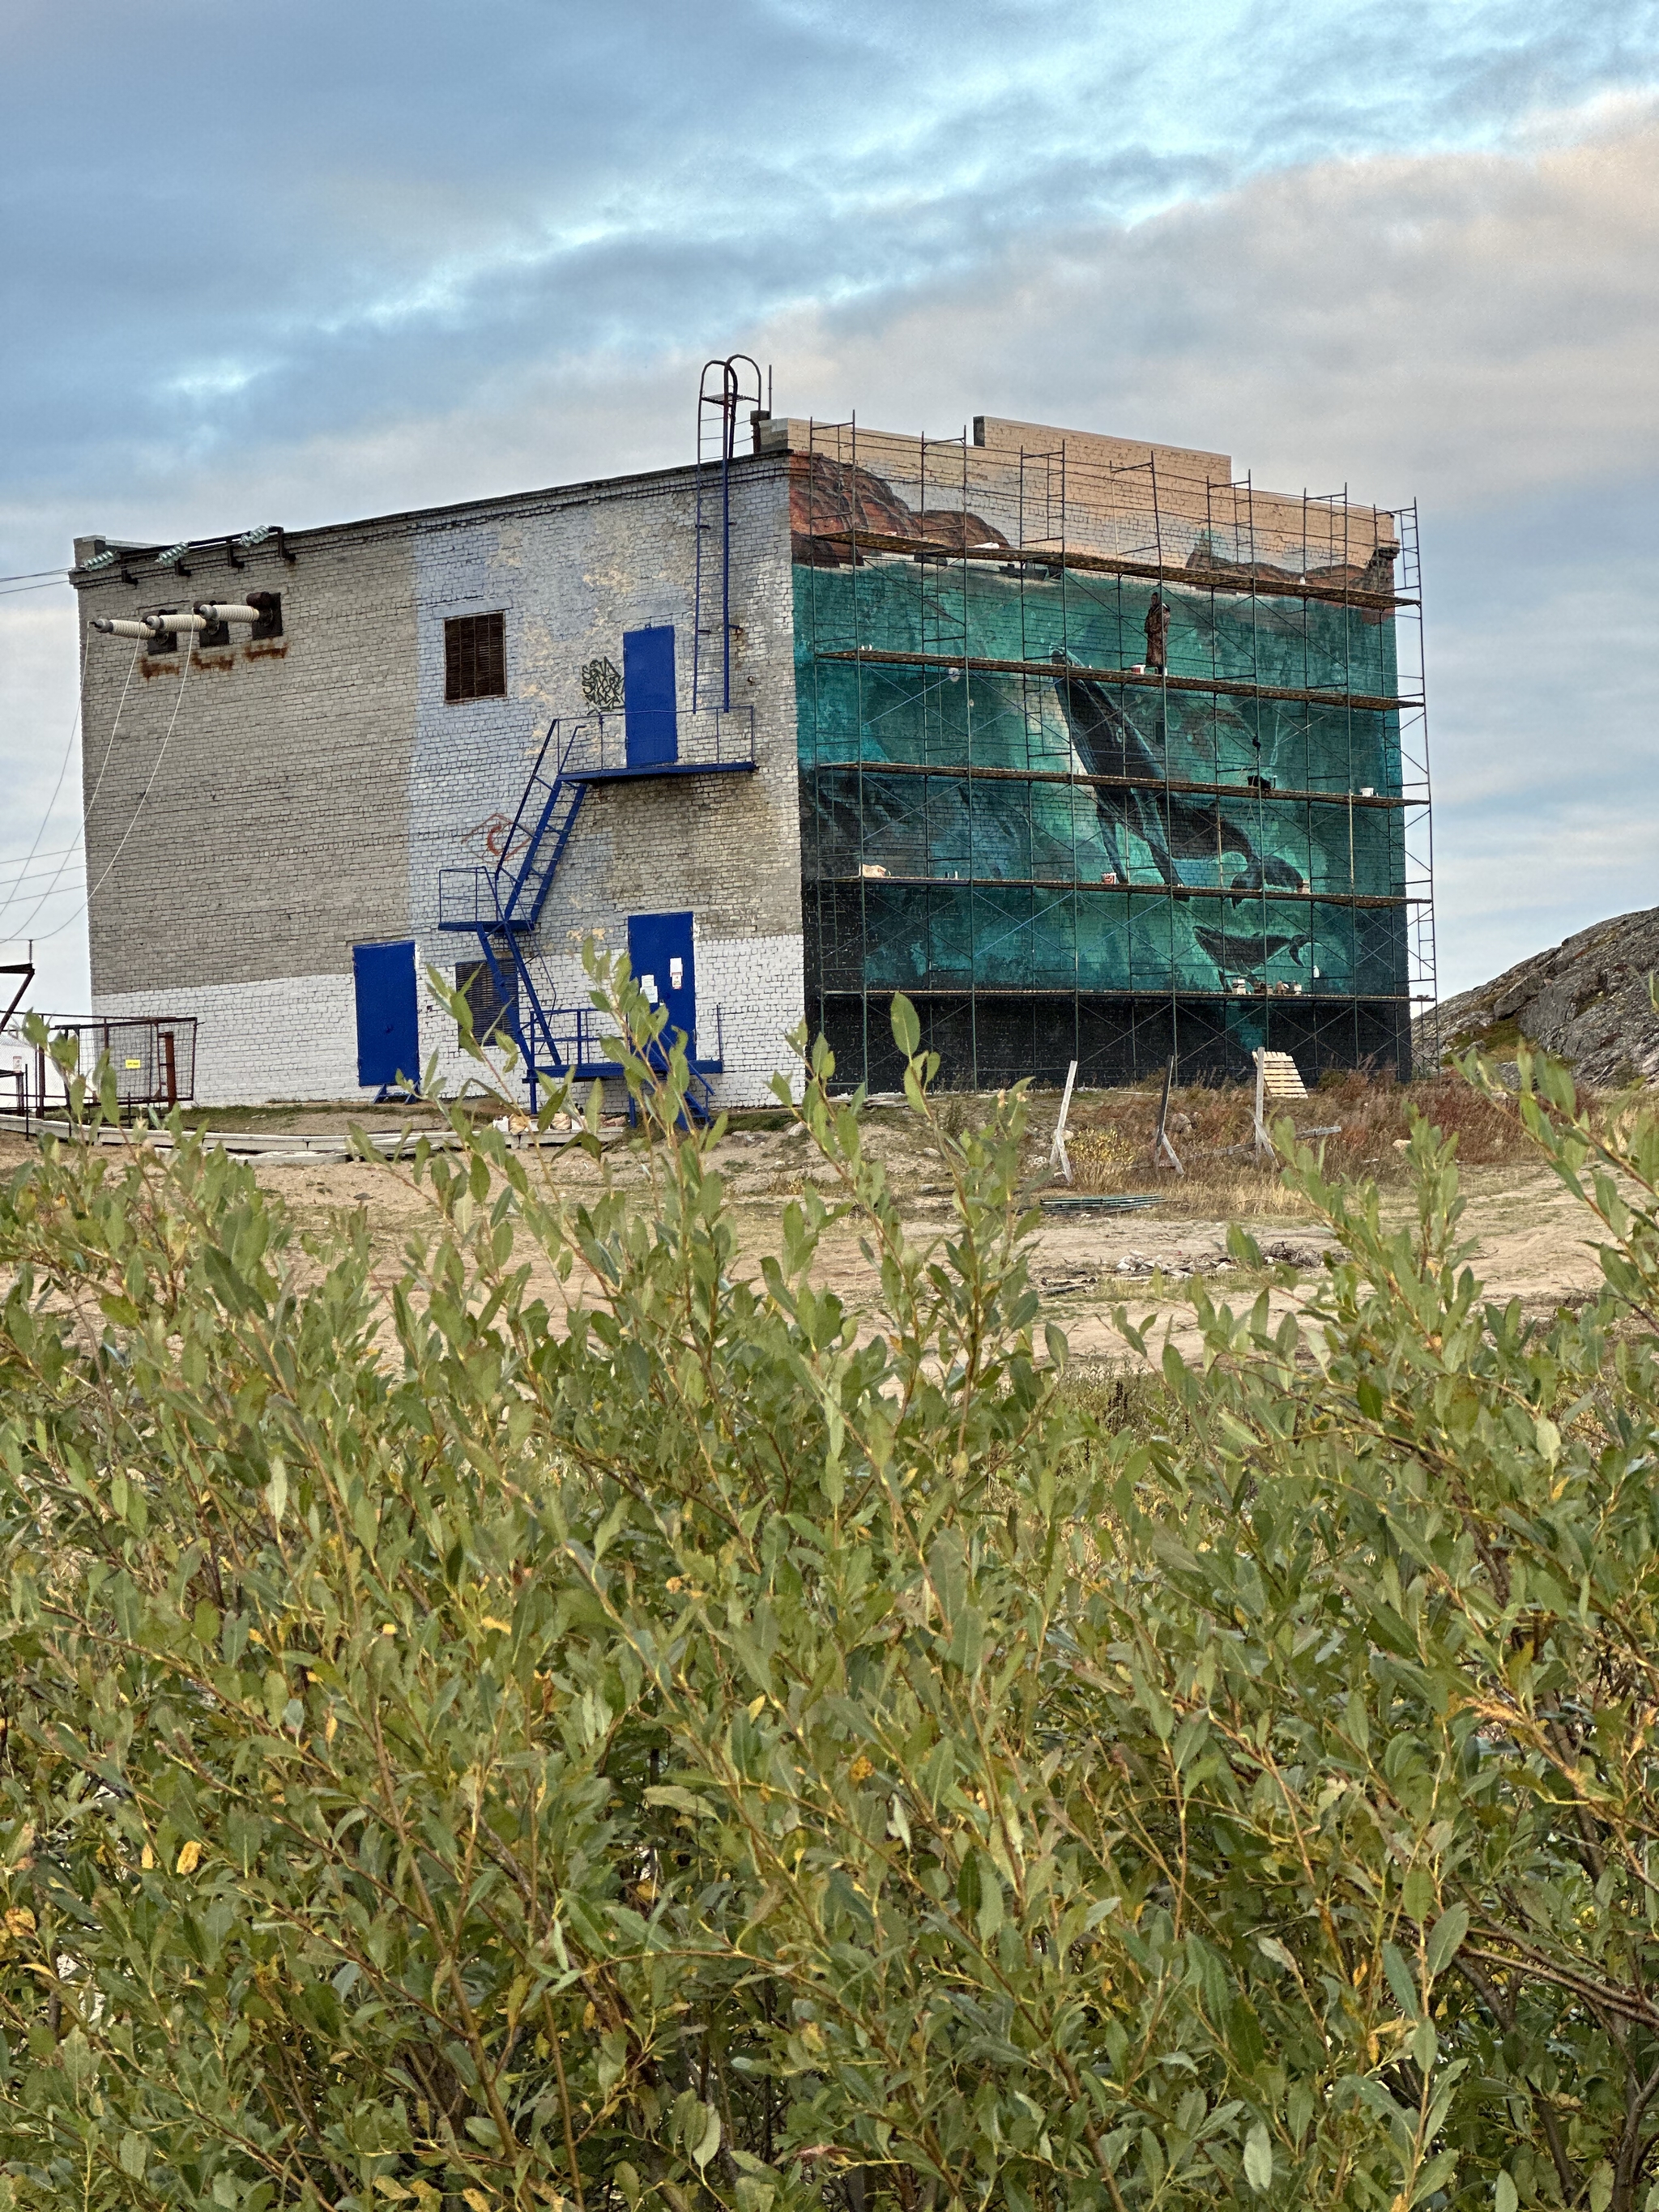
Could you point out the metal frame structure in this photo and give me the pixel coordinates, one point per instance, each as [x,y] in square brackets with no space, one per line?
[151,1057]
[1069,540]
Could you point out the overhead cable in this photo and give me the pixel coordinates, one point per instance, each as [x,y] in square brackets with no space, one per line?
[63,767]
[103,769]
[177,700]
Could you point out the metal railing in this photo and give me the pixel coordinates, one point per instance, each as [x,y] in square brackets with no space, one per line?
[469,898]
[581,1037]
[714,738]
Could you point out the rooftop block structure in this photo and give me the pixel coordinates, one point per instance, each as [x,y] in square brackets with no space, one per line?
[1088,746]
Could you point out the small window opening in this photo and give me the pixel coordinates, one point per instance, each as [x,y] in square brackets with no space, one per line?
[475,981]
[214,633]
[162,641]
[269,604]
[475,658]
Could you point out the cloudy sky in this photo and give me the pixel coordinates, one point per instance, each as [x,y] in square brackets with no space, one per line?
[329,260]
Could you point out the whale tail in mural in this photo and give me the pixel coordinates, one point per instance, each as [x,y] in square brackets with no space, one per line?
[1035,772]
[1192,839]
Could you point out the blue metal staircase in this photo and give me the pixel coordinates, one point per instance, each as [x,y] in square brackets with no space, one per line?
[503,905]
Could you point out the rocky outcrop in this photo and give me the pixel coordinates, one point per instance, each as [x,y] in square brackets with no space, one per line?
[1586,1001]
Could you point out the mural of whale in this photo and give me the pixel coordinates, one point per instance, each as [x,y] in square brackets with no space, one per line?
[1239,954]
[1173,826]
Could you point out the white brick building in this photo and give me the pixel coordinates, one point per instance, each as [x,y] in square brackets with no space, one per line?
[1091,748]
[258,809]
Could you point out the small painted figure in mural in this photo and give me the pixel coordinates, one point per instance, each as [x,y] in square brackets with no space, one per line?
[1158,633]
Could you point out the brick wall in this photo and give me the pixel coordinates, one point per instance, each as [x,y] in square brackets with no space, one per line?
[246,829]
[245,819]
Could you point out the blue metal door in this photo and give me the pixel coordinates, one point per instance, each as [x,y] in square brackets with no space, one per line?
[650,714]
[659,954]
[388,1021]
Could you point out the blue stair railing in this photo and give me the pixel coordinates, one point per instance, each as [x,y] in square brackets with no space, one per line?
[554,800]
[503,905]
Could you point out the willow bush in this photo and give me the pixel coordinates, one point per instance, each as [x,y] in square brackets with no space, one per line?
[612,1731]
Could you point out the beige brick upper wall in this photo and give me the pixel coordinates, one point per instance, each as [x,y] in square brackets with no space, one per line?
[1040,485]
[1092,449]
[252,811]
[247,817]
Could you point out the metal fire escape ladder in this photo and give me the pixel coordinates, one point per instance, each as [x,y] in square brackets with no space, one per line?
[503,905]
[547,815]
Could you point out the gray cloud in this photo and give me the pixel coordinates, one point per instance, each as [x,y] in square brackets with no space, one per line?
[219,234]
[407,260]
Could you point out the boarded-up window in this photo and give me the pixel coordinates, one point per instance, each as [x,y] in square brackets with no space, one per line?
[475,658]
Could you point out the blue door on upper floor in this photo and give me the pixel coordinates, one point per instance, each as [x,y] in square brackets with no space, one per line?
[388,1018]
[659,954]
[650,711]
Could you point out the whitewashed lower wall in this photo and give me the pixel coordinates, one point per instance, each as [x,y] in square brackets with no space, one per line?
[295,1037]
[755,982]
[289,1036]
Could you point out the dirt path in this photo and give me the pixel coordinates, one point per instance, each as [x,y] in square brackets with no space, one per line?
[1533,1243]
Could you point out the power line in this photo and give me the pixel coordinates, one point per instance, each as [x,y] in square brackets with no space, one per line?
[41,875]
[63,765]
[51,852]
[177,700]
[51,890]
[27,575]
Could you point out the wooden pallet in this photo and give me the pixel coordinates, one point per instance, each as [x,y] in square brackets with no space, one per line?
[1278,1078]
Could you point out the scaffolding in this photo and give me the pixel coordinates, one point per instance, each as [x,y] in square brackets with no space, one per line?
[1105,754]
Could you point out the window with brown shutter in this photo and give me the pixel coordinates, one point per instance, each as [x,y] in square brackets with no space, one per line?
[475,658]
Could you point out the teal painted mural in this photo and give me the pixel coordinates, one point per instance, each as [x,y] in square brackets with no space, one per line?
[1084,824]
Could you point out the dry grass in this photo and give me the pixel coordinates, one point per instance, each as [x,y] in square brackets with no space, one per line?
[1110,1139]
[1227,1190]
[1105,1158]
[1102,1157]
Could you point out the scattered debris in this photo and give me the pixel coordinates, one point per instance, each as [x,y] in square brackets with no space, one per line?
[1079,1280]
[1093,1201]
[1294,1255]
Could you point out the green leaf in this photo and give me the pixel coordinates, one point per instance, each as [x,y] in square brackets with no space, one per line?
[682,1801]
[133,2154]
[1419,1894]
[989,1917]
[1259,2159]
[709,2141]
[1505,2196]
[1406,1993]
[1445,1938]
[1434,2175]
[1601,2187]
[907,1026]
[1244,2035]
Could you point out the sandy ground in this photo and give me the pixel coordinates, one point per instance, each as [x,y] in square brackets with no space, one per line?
[1533,1243]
